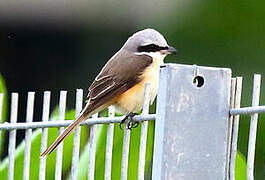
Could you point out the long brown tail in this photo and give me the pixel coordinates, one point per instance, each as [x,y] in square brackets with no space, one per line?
[83,115]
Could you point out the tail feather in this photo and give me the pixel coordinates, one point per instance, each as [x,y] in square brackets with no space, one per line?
[88,110]
[65,133]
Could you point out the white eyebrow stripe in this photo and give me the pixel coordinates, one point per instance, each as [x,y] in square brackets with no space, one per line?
[111,86]
[148,42]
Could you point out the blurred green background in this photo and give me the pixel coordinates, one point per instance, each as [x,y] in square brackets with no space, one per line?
[63,45]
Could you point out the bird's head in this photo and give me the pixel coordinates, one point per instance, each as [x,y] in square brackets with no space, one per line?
[149,42]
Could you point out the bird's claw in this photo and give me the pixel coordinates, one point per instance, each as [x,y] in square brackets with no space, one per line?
[130,123]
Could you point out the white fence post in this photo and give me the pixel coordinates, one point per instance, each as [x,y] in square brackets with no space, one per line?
[192,123]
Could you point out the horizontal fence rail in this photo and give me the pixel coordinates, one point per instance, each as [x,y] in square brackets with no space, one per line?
[247,110]
[107,120]
[63,123]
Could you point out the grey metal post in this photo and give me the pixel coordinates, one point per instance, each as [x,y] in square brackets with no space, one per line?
[192,123]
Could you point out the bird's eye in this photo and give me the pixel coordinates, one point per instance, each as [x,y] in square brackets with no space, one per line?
[150,48]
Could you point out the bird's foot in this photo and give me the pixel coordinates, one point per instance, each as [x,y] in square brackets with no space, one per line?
[129,122]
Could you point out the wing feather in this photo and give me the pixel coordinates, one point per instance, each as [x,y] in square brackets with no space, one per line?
[120,73]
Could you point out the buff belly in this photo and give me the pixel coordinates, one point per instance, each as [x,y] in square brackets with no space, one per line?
[132,99]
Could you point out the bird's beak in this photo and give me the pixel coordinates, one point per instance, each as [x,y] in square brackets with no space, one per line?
[171,50]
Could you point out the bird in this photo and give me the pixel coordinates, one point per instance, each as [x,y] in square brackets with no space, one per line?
[122,79]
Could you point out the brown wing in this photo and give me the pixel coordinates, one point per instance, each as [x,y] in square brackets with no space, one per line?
[120,73]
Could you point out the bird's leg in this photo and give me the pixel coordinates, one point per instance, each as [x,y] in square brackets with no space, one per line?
[130,124]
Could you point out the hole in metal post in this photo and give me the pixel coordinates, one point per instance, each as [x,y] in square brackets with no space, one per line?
[198,81]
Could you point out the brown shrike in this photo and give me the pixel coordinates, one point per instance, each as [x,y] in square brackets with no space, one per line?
[121,81]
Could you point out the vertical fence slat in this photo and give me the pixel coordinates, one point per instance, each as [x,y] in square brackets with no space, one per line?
[92,149]
[29,118]
[78,108]
[125,152]
[230,126]
[143,138]
[235,128]
[44,134]
[59,153]
[109,145]
[12,136]
[253,128]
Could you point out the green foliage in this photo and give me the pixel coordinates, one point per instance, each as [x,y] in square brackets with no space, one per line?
[241,167]
[3,90]
[19,158]
[67,146]
[4,113]
[35,152]
[260,143]
[117,153]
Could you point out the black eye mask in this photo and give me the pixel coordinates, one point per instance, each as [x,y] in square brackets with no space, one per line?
[151,48]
